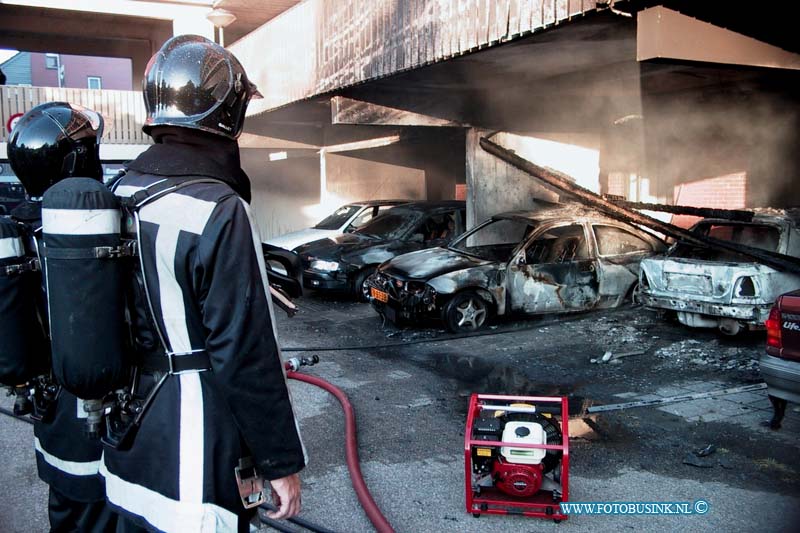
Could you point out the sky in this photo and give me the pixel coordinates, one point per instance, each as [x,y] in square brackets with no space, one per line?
[5,54]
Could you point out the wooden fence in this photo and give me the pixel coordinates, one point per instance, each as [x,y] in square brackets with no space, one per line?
[123,111]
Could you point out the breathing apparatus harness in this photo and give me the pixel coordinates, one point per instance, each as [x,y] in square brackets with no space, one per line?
[124,409]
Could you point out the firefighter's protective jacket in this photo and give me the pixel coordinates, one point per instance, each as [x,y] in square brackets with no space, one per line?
[205,277]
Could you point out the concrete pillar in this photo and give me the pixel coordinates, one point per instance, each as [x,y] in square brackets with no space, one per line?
[493,186]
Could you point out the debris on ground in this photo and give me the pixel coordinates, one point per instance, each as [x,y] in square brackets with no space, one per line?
[708,354]
[614,359]
[692,460]
[705,452]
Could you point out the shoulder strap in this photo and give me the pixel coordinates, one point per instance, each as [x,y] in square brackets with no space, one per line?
[112,184]
[133,204]
[160,188]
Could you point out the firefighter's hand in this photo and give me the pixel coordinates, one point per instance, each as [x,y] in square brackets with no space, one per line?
[285,496]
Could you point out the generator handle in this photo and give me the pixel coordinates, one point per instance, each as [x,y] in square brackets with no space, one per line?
[520,409]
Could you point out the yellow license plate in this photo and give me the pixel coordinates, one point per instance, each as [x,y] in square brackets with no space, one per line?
[379,295]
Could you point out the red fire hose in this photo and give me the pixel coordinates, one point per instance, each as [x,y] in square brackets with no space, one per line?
[370,507]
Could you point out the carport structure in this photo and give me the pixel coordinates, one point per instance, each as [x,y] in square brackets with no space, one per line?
[672,101]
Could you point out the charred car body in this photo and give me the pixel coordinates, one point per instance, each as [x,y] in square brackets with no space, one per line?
[345,262]
[708,287]
[554,259]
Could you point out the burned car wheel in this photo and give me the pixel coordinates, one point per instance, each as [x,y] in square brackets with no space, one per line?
[360,289]
[635,294]
[466,312]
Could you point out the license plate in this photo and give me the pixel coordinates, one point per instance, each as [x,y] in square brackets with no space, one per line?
[379,295]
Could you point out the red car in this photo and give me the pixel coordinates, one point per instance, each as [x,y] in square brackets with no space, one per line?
[780,366]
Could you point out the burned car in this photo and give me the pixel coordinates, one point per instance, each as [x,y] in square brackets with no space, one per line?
[344,263]
[712,288]
[555,259]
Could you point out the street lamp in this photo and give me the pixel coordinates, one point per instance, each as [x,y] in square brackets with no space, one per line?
[220,18]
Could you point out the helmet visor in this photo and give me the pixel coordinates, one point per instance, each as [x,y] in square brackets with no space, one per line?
[82,121]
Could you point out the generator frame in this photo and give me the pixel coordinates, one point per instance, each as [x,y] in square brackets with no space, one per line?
[490,500]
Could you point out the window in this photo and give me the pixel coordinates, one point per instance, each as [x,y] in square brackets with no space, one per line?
[765,237]
[362,219]
[51,61]
[95,82]
[338,218]
[558,245]
[391,225]
[617,241]
[435,227]
[493,241]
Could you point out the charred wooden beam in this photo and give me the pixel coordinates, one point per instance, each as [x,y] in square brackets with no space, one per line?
[562,182]
[705,212]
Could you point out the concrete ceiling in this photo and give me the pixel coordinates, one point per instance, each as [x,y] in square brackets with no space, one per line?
[250,14]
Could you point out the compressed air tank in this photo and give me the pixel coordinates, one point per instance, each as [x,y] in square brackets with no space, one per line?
[85,287]
[23,345]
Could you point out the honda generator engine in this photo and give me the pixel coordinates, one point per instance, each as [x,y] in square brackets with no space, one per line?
[516,455]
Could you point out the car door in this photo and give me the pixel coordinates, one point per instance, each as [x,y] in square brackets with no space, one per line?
[555,271]
[619,252]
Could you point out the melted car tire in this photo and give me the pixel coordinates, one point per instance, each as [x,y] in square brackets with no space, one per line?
[469,307]
[359,292]
[634,294]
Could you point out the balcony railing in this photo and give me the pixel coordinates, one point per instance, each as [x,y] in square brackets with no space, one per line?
[123,111]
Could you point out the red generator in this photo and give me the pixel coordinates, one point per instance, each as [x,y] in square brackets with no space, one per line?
[516,455]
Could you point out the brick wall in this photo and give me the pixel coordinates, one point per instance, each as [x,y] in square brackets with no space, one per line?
[721,192]
[617,184]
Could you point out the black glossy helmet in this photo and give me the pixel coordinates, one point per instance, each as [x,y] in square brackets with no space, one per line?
[194,83]
[54,141]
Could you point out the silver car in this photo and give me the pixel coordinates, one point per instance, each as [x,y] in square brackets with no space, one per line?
[708,288]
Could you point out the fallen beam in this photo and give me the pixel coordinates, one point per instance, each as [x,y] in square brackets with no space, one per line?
[563,183]
[705,212]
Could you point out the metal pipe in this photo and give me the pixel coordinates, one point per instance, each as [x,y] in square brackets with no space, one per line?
[6,412]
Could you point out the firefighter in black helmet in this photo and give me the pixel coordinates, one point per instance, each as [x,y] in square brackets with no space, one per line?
[207,311]
[51,142]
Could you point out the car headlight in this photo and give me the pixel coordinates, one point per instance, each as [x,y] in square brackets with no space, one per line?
[415,287]
[324,266]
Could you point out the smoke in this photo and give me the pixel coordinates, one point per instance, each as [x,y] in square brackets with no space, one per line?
[725,121]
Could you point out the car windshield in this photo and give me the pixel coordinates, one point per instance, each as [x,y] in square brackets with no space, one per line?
[760,236]
[495,241]
[392,225]
[337,219]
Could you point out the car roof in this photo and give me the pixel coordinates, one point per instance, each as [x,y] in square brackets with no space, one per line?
[548,211]
[379,202]
[763,216]
[433,205]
